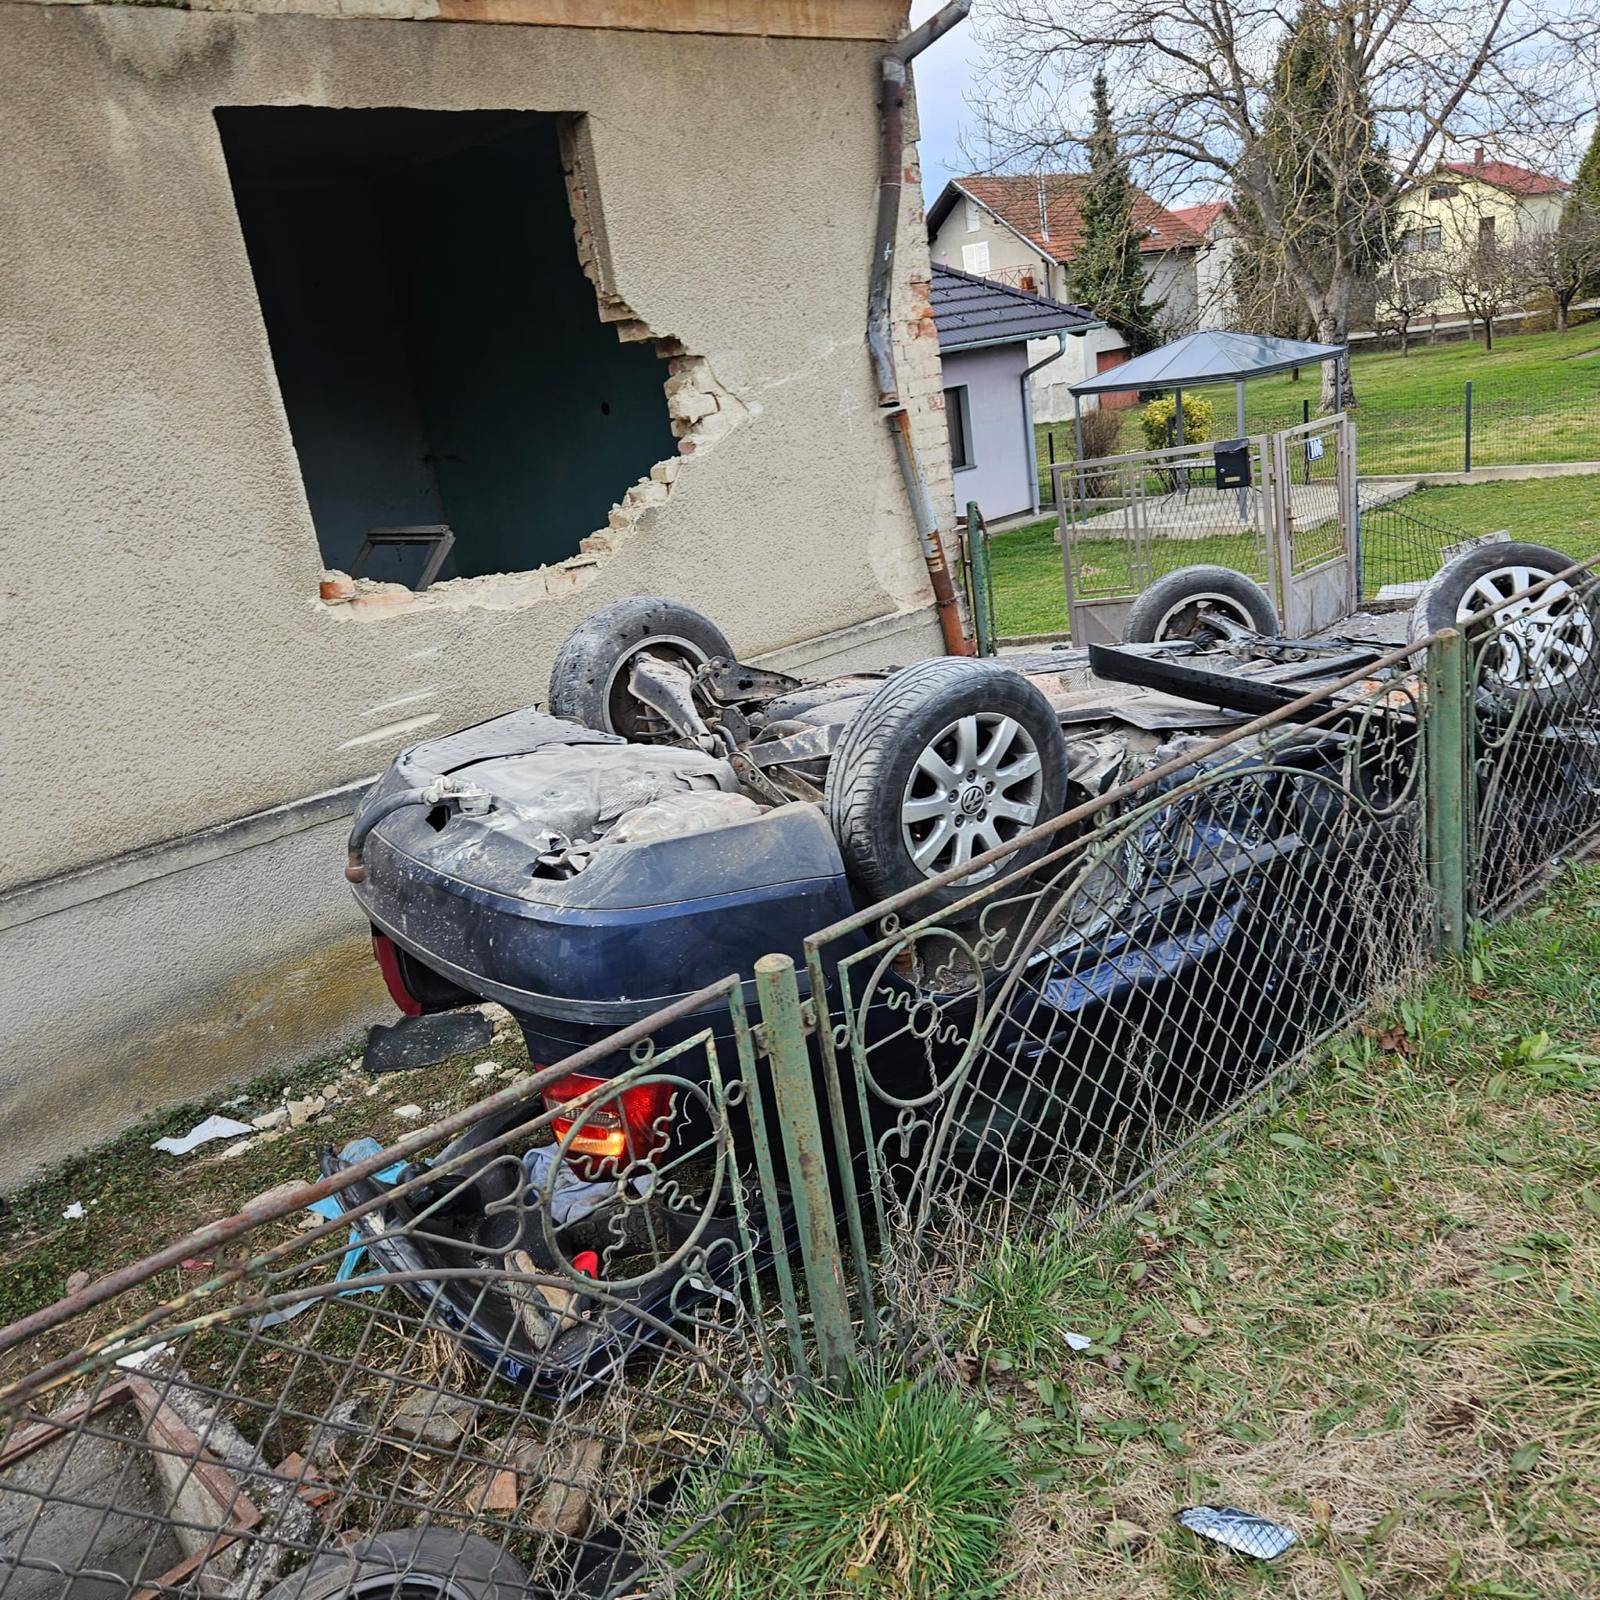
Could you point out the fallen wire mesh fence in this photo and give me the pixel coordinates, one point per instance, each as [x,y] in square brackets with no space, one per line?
[508,1356]
[546,1346]
[1015,1056]
[1401,550]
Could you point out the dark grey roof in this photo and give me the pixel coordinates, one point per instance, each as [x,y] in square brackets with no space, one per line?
[970,311]
[1211,357]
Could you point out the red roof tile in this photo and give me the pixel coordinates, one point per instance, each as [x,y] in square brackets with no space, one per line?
[1504,175]
[1045,210]
[1200,217]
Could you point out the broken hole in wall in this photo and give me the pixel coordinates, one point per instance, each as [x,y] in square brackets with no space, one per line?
[439,349]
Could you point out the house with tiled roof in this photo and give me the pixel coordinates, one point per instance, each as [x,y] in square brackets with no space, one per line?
[1483,201]
[1218,228]
[1025,230]
[985,330]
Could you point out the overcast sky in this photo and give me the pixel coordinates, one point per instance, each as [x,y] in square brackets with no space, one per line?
[944,73]
[947,73]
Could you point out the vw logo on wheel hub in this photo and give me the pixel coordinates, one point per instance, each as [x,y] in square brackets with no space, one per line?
[972,798]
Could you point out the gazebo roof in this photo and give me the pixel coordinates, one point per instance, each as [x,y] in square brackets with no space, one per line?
[1209,357]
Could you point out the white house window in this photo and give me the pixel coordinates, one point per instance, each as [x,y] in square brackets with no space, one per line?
[958,414]
[975,258]
[1485,231]
[973,215]
[1443,191]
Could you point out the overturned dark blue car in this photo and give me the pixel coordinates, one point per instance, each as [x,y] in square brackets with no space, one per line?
[671,815]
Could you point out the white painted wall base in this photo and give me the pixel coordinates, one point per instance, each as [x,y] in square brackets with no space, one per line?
[1052,401]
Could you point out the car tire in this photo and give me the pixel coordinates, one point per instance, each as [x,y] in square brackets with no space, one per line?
[919,731]
[1170,608]
[461,1565]
[588,682]
[1474,583]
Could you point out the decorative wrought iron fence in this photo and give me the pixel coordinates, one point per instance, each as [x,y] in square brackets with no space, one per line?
[544,1347]
[508,1355]
[1014,1054]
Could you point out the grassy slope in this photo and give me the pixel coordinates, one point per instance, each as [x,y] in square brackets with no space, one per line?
[1376,1317]
[1564,512]
[1536,397]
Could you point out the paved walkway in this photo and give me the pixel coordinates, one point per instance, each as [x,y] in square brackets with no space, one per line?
[1202,513]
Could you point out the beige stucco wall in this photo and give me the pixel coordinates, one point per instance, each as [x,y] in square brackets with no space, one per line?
[168,664]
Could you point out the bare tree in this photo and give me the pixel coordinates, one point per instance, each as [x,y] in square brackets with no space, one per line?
[1407,286]
[1563,259]
[1486,278]
[1198,83]
[1262,296]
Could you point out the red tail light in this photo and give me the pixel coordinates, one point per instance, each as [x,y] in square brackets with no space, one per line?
[616,1131]
[389,965]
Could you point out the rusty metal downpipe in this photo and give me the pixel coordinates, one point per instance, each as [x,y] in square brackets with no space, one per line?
[892,68]
[951,625]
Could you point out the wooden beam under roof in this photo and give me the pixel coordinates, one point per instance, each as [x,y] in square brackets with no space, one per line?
[779,19]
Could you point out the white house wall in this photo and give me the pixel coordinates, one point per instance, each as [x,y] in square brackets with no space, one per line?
[1001,478]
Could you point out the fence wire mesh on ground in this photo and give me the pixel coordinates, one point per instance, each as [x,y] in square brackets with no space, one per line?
[545,1347]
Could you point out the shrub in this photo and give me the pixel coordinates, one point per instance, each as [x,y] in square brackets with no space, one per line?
[1102,436]
[897,1493]
[1156,417]
[1101,431]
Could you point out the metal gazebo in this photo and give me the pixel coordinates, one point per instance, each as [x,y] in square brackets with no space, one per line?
[1199,359]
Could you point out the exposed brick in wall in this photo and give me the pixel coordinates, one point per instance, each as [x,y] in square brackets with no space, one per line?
[916,348]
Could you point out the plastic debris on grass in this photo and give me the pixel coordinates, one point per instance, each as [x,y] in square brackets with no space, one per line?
[1239,1530]
[214,1127]
[329,1210]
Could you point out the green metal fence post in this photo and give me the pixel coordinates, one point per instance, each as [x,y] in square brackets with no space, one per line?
[1468,466]
[783,1028]
[1445,768]
[978,553]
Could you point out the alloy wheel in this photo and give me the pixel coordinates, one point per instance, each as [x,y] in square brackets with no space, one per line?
[975,786]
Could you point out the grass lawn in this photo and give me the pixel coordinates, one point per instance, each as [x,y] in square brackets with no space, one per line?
[1561,512]
[1536,397]
[1376,1317]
